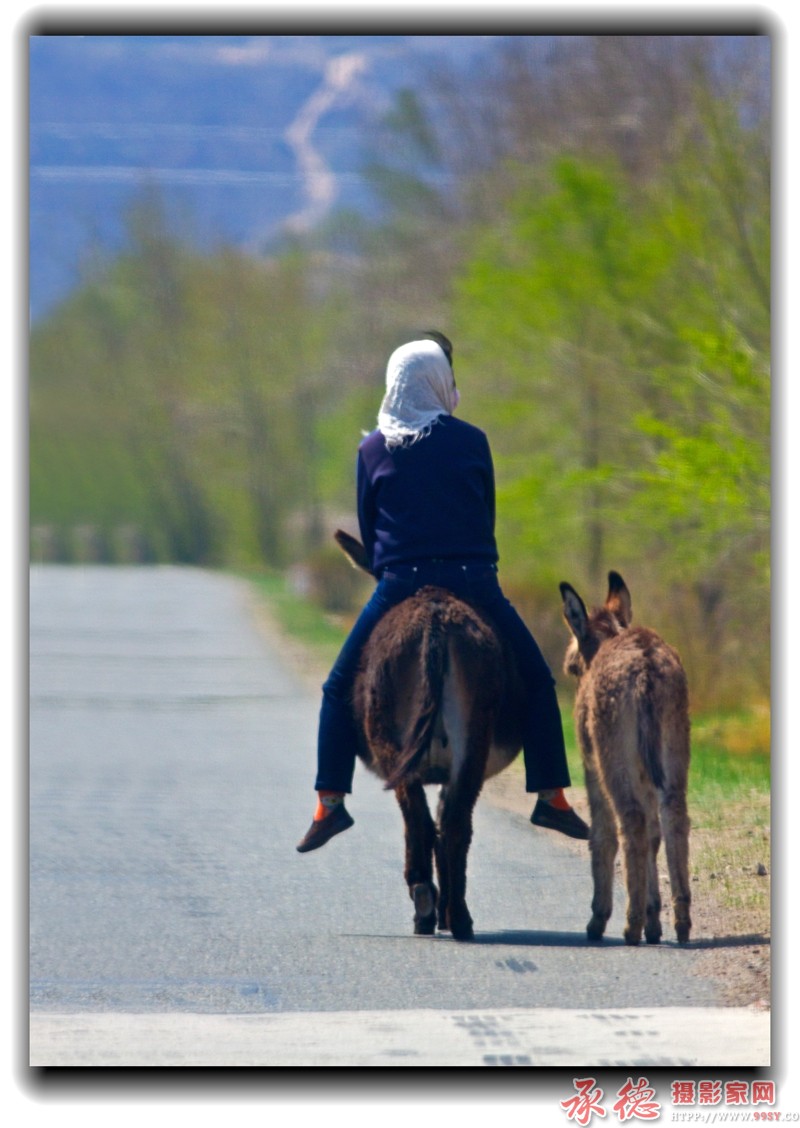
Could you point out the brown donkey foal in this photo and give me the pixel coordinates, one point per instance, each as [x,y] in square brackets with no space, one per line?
[632,720]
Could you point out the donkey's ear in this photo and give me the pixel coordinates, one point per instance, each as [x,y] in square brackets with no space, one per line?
[618,600]
[574,611]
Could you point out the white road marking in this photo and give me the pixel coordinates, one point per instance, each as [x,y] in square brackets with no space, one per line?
[689,1037]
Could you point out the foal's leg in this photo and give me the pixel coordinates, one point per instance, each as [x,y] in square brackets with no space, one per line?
[618,751]
[675,755]
[420,837]
[652,924]
[675,821]
[603,850]
[633,822]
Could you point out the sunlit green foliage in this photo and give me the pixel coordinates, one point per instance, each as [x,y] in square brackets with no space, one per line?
[619,357]
[179,395]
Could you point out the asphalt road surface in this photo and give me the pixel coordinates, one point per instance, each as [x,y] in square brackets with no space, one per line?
[172,922]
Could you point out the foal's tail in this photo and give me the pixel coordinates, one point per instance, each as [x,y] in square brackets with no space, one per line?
[432,669]
[649,735]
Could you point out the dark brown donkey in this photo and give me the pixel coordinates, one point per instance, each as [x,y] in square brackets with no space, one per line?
[632,719]
[437,700]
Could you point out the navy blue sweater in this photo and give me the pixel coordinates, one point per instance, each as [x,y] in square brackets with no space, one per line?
[433,499]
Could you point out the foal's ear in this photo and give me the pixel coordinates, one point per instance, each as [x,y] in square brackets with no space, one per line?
[618,600]
[574,611]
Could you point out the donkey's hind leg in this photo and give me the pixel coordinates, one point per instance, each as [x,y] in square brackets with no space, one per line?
[420,838]
[441,864]
[455,826]
[675,822]
[603,846]
[635,849]
[652,923]
[468,718]
[628,792]
[456,835]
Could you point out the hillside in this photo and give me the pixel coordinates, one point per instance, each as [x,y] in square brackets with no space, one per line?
[246,136]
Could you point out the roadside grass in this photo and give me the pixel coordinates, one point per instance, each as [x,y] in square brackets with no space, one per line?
[729,779]
[730,808]
[320,633]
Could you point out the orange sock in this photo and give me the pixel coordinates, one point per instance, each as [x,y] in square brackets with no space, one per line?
[327,801]
[556,798]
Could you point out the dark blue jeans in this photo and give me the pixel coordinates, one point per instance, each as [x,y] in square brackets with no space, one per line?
[543,744]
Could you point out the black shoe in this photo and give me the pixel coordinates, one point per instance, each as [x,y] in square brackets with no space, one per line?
[322,829]
[552,818]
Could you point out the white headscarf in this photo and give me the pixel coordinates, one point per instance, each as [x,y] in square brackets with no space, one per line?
[419,388]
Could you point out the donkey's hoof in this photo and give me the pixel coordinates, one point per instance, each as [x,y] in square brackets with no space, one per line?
[682,933]
[461,926]
[653,934]
[632,936]
[424,897]
[595,929]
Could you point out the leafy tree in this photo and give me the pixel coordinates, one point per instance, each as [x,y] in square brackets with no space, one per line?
[545,304]
[624,337]
[184,395]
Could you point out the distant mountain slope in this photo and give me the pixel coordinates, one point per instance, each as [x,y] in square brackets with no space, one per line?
[251,133]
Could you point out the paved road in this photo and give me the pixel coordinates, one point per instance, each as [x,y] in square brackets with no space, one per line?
[172,920]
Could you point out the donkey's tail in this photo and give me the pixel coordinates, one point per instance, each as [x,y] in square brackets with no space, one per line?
[650,740]
[433,668]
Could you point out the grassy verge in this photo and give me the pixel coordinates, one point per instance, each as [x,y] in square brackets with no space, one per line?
[729,802]
[309,626]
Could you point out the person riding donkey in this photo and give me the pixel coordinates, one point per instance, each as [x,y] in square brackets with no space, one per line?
[426,512]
